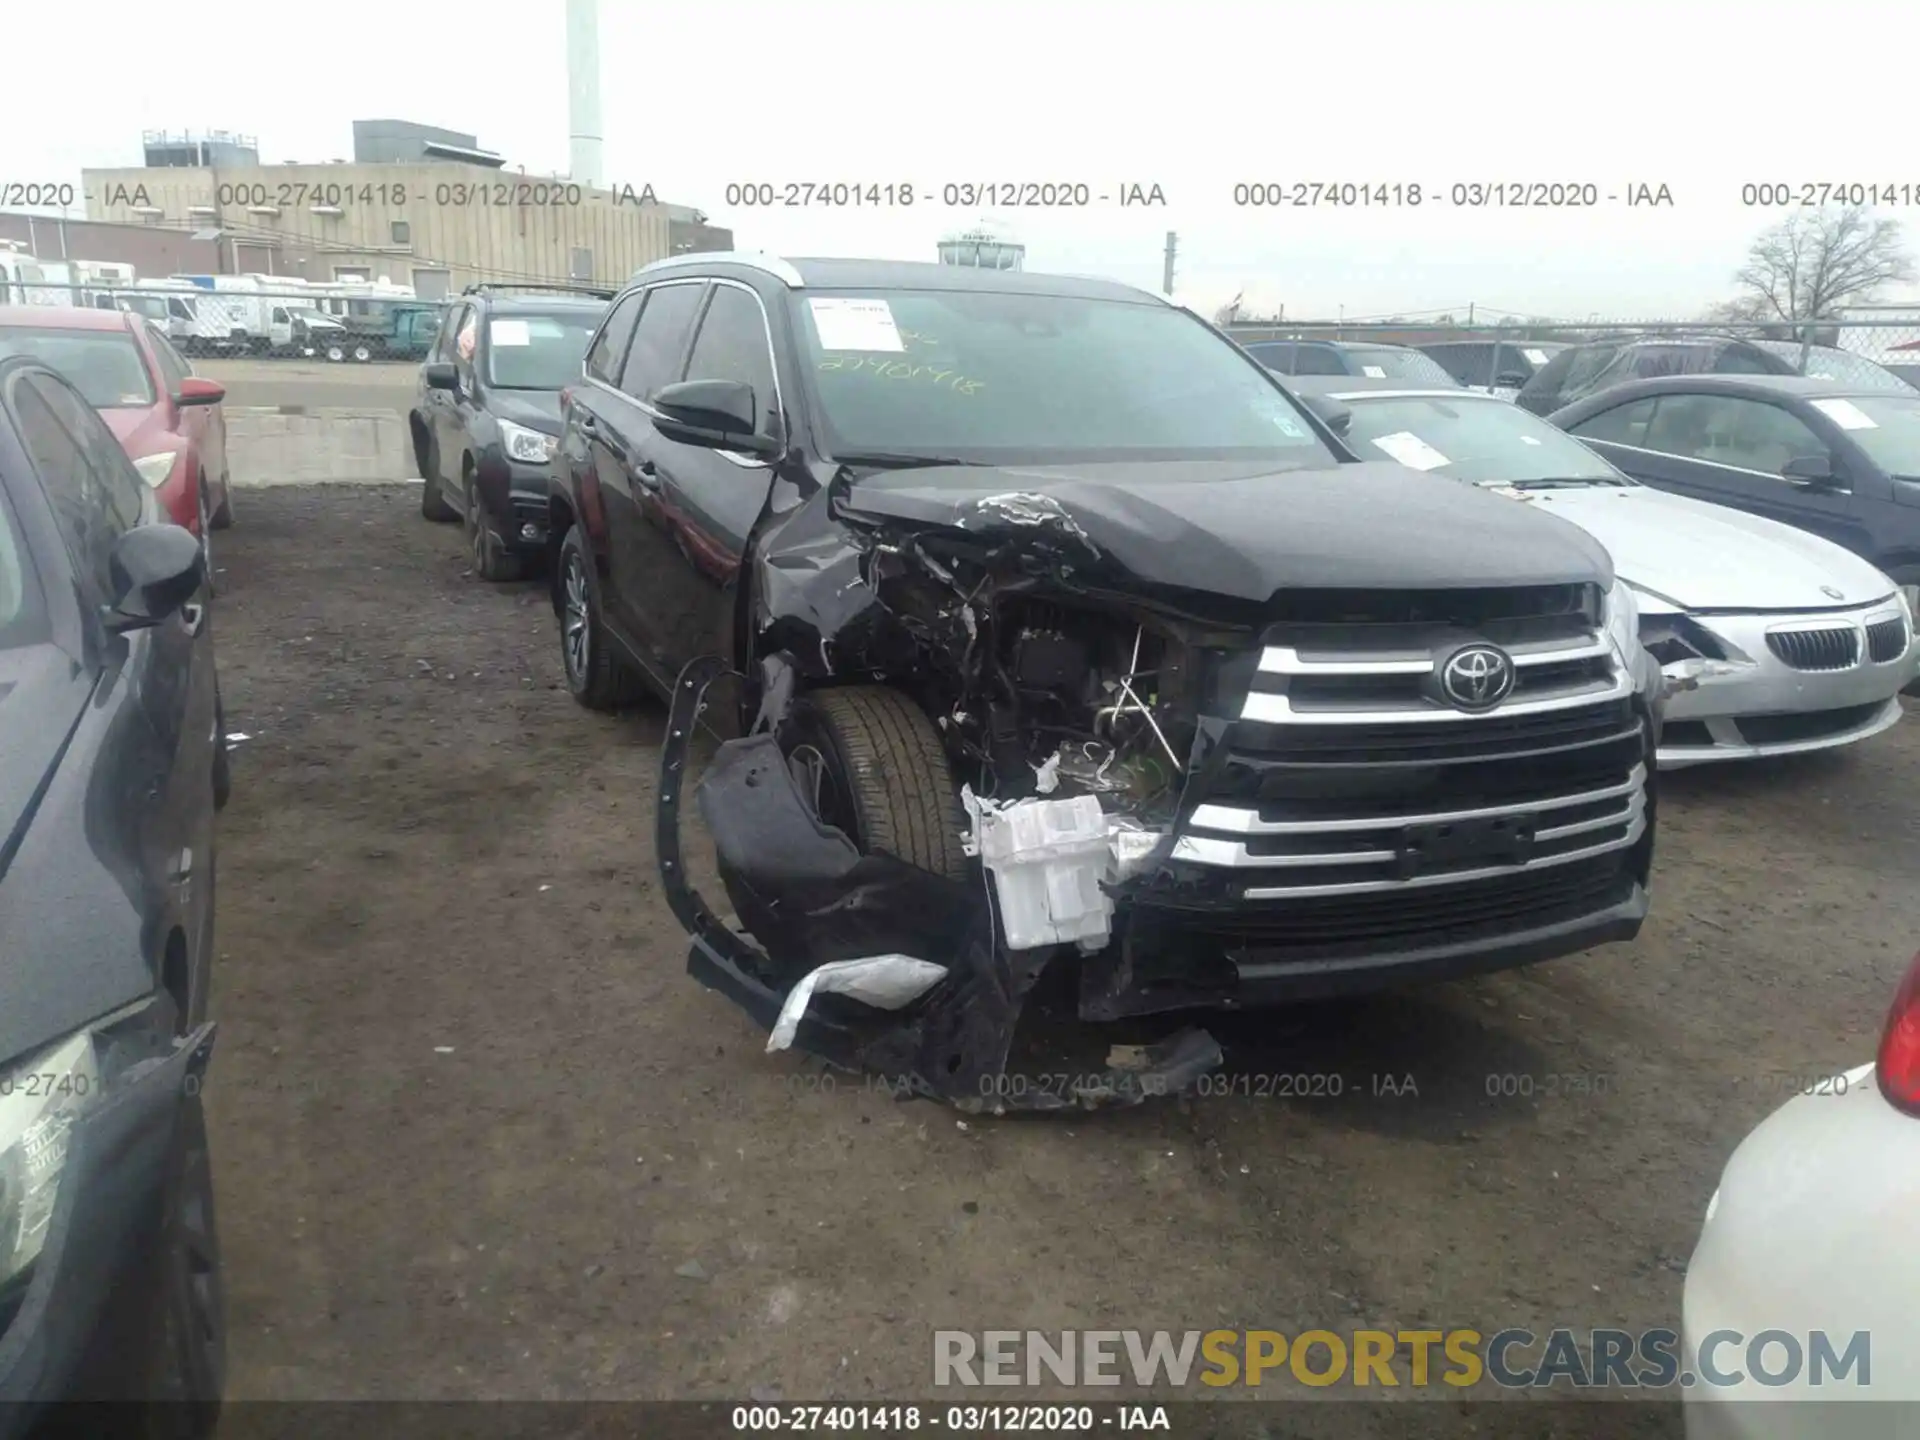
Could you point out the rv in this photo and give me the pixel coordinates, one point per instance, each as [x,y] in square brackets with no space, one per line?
[28,280]
[167,303]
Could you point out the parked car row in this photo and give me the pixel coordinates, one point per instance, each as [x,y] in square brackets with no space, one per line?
[112,764]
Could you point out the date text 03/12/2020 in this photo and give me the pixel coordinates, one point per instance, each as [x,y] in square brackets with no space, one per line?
[963,195]
[861,1420]
[1457,195]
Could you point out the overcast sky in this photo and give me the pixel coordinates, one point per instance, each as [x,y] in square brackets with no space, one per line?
[1193,97]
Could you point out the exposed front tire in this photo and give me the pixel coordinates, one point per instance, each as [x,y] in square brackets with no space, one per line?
[870,762]
[597,677]
[487,554]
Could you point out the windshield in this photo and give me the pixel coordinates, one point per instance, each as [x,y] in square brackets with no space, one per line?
[104,365]
[1390,363]
[308,313]
[1887,427]
[1824,362]
[1009,378]
[538,352]
[1483,440]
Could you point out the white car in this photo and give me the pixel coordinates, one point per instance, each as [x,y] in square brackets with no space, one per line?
[1810,1235]
[1772,639]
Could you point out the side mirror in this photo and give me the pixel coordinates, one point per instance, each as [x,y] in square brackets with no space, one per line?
[196,391]
[718,414]
[1815,472]
[156,569]
[1335,416]
[441,376]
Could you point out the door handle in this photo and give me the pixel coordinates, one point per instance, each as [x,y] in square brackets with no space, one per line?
[193,616]
[587,427]
[647,474]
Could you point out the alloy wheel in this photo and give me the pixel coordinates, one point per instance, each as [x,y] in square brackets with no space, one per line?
[574,624]
[206,534]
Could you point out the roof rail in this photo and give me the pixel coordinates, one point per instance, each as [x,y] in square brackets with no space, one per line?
[488,287]
[767,264]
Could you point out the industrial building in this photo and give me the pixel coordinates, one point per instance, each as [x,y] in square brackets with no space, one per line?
[418,206]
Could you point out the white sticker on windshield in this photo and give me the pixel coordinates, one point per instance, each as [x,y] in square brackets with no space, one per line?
[1529,440]
[1846,414]
[1538,357]
[1409,449]
[1378,372]
[510,332]
[855,325]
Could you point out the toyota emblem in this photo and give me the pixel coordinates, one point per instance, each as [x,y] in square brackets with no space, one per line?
[1833,594]
[1477,677]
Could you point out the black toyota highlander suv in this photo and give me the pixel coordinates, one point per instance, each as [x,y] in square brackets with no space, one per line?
[1039,537]
[487,410]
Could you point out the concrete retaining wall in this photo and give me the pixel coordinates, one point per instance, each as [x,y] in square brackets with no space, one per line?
[300,445]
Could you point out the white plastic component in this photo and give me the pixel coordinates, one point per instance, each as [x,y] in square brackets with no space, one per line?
[887,982]
[1047,859]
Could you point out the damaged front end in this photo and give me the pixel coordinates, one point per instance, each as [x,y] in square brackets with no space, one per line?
[1067,756]
[1118,700]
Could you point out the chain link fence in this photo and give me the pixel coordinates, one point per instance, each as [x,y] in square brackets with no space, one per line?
[349,323]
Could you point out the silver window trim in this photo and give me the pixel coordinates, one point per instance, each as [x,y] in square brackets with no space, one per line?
[745,462]
[1778,479]
[767,264]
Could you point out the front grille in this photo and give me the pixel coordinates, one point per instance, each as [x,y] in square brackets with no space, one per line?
[1806,725]
[1887,639]
[1830,648]
[1348,775]
[1333,927]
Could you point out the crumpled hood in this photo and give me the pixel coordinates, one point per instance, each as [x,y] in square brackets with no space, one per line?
[1244,530]
[1712,557]
[535,409]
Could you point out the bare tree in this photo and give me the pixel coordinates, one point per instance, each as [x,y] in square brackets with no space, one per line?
[1809,266]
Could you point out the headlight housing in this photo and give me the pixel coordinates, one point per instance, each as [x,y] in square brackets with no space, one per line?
[155,468]
[527,446]
[1620,614]
[40,1101]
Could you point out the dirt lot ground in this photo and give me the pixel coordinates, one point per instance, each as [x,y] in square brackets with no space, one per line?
[479,1136]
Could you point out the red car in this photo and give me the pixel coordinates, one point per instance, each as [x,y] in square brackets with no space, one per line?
[166,418]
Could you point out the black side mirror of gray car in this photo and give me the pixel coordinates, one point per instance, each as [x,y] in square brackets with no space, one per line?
[440,376]
[718,414]
[1332,414]
[156,570]
[1815,472]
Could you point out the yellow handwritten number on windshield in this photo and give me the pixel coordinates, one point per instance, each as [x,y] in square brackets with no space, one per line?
[940,375]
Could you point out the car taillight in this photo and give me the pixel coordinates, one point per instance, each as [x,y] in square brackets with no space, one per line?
[1897,1066]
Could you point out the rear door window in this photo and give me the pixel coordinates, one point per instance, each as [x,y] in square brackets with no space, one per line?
[660,339]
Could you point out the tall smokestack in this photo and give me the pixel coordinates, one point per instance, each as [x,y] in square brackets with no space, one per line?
[583,91]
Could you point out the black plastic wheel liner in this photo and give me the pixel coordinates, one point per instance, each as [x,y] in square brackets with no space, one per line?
[810,897]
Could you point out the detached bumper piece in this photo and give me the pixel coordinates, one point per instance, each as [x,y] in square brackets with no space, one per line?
[812,899]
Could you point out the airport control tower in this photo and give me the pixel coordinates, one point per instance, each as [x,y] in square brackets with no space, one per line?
[986,245]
